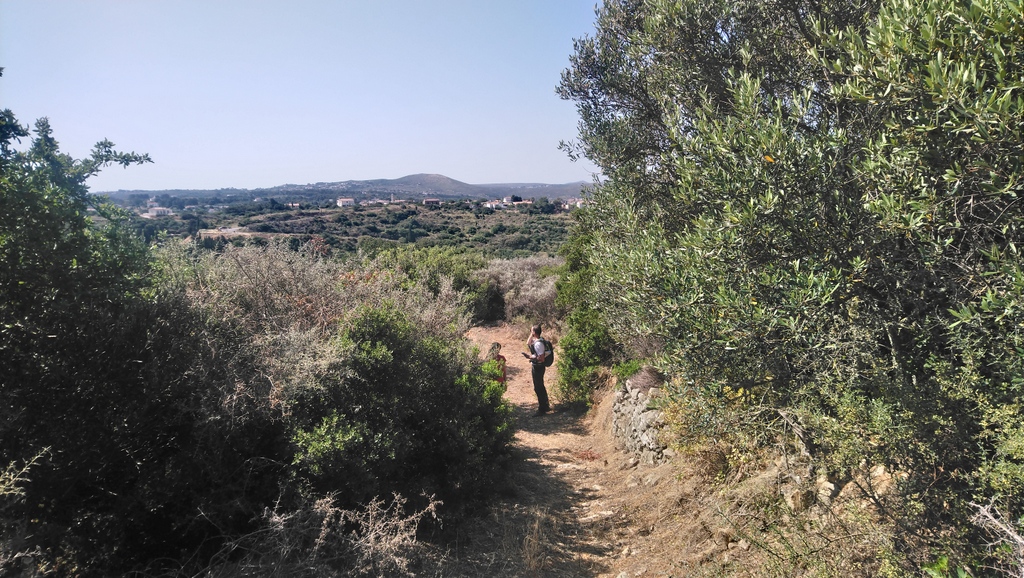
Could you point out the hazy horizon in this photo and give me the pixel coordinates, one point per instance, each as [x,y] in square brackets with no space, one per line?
[507,183]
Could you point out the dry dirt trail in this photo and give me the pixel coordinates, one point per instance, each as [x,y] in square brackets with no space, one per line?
[577,505]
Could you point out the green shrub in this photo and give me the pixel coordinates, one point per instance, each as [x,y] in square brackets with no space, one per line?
[626,369]
[587,344]
[585,347]
[169,406]
[434,267]
[812,221]
[149,413]
[399,412]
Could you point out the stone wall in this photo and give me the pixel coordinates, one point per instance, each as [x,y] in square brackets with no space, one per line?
[637,426]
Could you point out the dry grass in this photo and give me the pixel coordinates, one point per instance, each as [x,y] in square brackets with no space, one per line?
[324,540]
[534,551]
[15,559]
[14,476]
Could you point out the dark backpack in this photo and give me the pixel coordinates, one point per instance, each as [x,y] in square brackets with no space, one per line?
[549,352]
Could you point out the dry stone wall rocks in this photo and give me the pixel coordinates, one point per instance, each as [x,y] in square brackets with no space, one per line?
[636,425]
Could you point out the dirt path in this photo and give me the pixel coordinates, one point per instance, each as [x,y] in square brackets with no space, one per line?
[576,506]
[573,508]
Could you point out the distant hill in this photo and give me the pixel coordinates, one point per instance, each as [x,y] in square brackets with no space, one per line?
[529,190]
[409,187]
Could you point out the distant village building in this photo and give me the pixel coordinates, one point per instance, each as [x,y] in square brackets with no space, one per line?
[431,201]
[573,203]
[495,205]
[158,212]
[346,202]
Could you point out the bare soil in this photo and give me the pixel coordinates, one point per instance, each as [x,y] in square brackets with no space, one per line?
[576,505]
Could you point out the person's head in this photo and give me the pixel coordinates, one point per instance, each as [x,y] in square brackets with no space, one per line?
[536,330]
[494,351]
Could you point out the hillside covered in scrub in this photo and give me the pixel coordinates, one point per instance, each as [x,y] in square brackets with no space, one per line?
[807,230]
[170,409]
[513,232]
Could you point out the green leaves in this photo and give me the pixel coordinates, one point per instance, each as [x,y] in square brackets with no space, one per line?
[395,408]
[940,569]
[50,249]
[831,203]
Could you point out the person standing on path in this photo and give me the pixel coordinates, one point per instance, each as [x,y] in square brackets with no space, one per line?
[536,355]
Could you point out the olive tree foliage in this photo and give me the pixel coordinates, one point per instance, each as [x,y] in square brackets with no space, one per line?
[942,174]
[640,83]
[812,209]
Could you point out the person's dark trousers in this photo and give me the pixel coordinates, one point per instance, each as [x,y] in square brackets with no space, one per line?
[538,387]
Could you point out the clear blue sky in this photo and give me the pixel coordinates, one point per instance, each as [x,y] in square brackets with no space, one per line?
[257,93]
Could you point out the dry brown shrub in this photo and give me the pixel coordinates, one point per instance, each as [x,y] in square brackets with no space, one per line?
[321,539]
[647,378]
[279,289]
[1006,538]
[15,559]
[292,302]
[710,461]
[527,294]
[269,288]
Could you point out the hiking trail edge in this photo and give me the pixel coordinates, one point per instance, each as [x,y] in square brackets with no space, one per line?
[578,506]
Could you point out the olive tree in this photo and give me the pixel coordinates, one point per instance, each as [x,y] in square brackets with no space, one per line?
[811,209]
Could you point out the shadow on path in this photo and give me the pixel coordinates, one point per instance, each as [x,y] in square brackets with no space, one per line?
[533,528]
[543,481]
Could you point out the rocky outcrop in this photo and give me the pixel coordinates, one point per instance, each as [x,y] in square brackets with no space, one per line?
[636,425]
